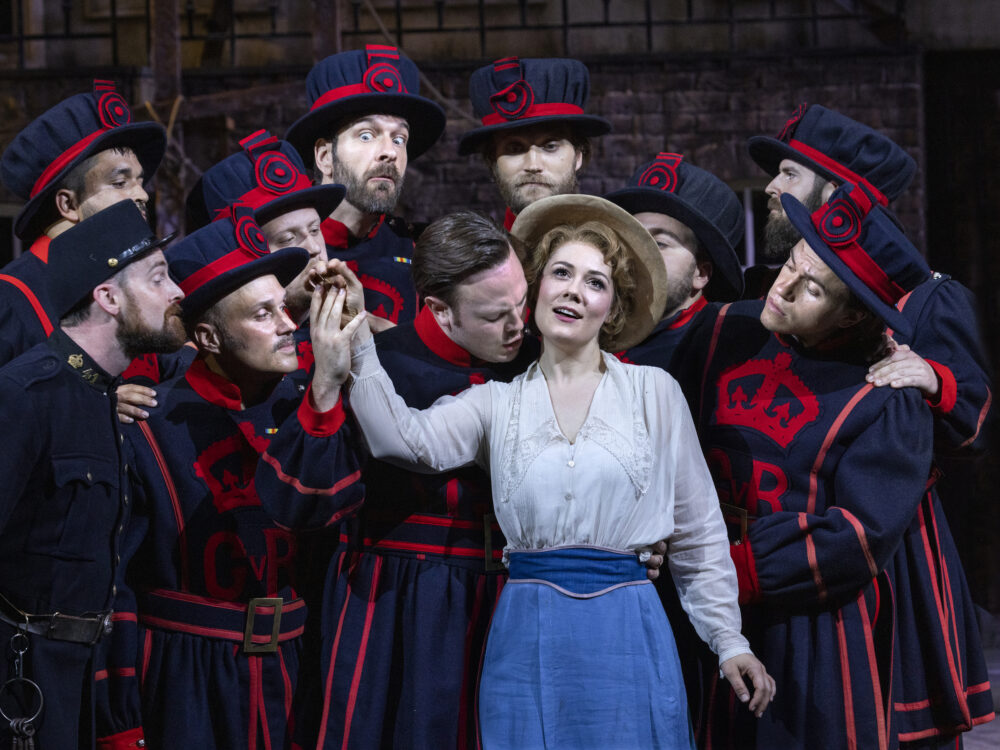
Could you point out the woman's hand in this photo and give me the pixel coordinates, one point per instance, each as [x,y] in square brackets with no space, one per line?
[748,665]
[331,343]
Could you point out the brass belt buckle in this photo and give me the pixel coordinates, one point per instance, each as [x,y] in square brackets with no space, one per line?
[734,515]
[249,647]
[490,564]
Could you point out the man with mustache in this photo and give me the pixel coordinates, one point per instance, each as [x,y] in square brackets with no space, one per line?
[82,155]
[366,121]
[65,498]
[211,578]
[534,132]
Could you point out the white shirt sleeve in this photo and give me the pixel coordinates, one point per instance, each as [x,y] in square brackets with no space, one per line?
[452,432]
[698,549]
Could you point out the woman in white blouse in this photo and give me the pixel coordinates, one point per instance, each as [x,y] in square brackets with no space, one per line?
[592,461]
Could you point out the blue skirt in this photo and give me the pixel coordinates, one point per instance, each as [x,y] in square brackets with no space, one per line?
[580,654]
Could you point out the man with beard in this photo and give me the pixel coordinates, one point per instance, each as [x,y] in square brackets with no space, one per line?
[210,575]
[697,222]
[366,121]
[81,156]
[65,499]
[943,356]
[534,133]
[817,150]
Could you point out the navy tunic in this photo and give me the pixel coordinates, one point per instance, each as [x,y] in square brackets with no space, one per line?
[381,261]
[63,506]
[844,554]
[204,553]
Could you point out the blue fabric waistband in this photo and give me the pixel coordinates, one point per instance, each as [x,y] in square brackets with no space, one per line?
[578,571]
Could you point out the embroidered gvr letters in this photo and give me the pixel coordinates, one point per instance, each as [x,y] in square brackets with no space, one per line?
[766,396]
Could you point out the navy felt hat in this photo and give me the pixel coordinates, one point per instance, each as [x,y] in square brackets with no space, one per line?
[699,200]
[512,93]
[218,259]
[838,149]
[95,249]
[862,243]
[52,145]
[267,175]
[376,80]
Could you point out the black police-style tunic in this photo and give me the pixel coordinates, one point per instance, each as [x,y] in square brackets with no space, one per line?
[63,506]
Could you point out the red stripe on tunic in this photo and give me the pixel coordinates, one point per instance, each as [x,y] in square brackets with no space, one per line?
[287,682]
[174,502]
[956,680]
[711,353]
[982,417]
[859,529]
[811,555]
[880,723]
[845,678]
[359,665]
[827,442]
[43,318]
[253,666]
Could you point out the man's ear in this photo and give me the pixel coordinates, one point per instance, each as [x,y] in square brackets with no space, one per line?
[441,311]
[323,154]
[68,206]
[207,338]
[827,190]
[702,275]
[109,297]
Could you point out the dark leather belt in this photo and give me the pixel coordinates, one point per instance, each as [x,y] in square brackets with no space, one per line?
[57,626]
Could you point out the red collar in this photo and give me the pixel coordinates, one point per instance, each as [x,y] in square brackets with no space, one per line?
[336,234]
[437,341]
[40,248]
[682,318]
[213,387]
[508,219]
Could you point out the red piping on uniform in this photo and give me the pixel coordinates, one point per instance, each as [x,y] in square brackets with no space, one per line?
[430,333]
[124,617]
[359,664]
[880,706]
[301,488]
[32,300]
[859,529]
[828,441]
[684,316]
[286,680]
[952,667]
[147,649]
[253,665]
[174,502]
[982,418]
[811,555]
[845,679]
[711,353]
[434,549]
[262,704]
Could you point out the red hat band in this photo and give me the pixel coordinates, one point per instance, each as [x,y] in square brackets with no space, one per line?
[113,112]
[838,224]
[838,169]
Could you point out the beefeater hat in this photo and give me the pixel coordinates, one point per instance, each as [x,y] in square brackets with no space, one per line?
[512,93]
[52,145]
[838,149]
[372,81]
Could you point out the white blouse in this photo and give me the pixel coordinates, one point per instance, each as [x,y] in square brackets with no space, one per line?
[634,475]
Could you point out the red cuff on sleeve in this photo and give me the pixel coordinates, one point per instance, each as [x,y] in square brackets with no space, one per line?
[320,424]
[746,572]
[948,388]
[122,740]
